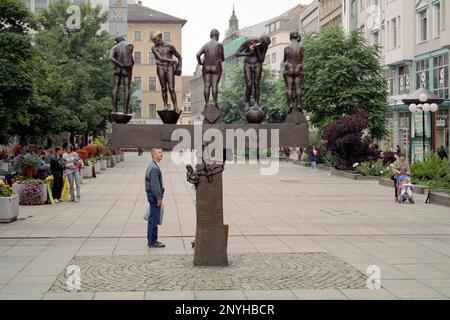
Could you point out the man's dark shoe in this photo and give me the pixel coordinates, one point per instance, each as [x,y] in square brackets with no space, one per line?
[157,244]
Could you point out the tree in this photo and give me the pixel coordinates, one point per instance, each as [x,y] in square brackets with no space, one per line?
[343,77]
[232,93]
[346,139]
[79,76]
[16,53]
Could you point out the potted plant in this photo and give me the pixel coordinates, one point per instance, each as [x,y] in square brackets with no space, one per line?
[9,203]
[88,168]
[29,164]
[122,156]
[21,184]
[97,165]
[103,163]
[31,195]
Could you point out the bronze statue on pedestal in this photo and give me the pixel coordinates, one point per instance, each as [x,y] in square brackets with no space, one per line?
[293,71]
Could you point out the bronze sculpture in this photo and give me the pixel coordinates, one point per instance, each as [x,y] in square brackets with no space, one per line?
[121,55]
[213,56]
[293,70]
[166,68]
[254,50]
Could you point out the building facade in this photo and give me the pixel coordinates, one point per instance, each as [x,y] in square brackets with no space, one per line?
[415,39]
[197,98]
[330,13]
[142,22]
[309,18]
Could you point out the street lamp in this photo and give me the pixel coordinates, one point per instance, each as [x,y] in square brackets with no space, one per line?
[425,101]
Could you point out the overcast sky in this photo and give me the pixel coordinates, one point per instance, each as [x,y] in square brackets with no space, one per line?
[203,15]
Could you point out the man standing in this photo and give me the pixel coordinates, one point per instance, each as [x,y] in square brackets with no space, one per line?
[293,70]
[212,65]
[155,193]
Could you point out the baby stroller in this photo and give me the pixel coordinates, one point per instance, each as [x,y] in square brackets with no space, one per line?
[404,189]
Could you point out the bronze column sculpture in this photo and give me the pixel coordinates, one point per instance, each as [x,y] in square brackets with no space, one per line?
[121,55]
[213,56]
[166,68]
[254,50]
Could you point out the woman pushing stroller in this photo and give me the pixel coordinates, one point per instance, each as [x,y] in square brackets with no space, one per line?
[402,180]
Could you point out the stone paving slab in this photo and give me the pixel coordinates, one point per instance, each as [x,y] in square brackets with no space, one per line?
[245,272]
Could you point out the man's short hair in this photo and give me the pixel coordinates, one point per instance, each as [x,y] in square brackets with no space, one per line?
[154,150]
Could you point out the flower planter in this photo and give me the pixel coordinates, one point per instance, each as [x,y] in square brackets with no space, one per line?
[117,156]
[9,208]
[110,162]
[87,172]
[18,187]
[98,168]
[122,157]
[103,164]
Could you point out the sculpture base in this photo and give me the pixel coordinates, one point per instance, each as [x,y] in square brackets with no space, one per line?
[211,114]
[296,117]
[122,118]
[169,116]
[255,114]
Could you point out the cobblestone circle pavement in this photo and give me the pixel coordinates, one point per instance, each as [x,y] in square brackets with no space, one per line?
[311,270]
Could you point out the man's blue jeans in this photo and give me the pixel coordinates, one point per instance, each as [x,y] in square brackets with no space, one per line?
[153,220]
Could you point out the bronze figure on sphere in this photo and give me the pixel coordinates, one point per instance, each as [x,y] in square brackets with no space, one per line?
[121,55]
[166,68]
[293,71]
[213,56]
[254,50]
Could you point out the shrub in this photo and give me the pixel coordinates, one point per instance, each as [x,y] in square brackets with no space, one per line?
[29,164]
[31,195]
[345,138]
[434,172]
[373,168]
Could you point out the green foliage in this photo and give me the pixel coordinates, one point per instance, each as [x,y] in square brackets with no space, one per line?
[343,77]
[232,96]
[373,168]
[433,172]
[30,161]
[16,52]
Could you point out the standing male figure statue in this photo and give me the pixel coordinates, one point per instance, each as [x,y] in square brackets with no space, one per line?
[293,70]
[121,55]
[213,57]
[166,68]
[254,50]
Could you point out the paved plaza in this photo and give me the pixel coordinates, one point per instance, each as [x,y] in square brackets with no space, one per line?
[295,235]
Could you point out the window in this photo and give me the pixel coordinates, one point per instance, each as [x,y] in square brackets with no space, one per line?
[440,75]
[436,20]
[137,57]
[277,25]
[376,38]
[394,33]
[274,57]
[353,8]
[137,36]
[274,41]
[423,26]
[403,79]
[151,58]
[388,36]
[167,36]
[138,81]
[388,75]
[267,29]
[152,83]
[152,111]
[422,73]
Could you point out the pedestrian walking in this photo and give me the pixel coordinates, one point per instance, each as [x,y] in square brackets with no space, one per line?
[155,193]
[57,171]
[399,167]
[314,156]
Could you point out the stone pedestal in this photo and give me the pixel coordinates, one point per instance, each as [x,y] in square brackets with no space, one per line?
[211,114]
[212,235]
